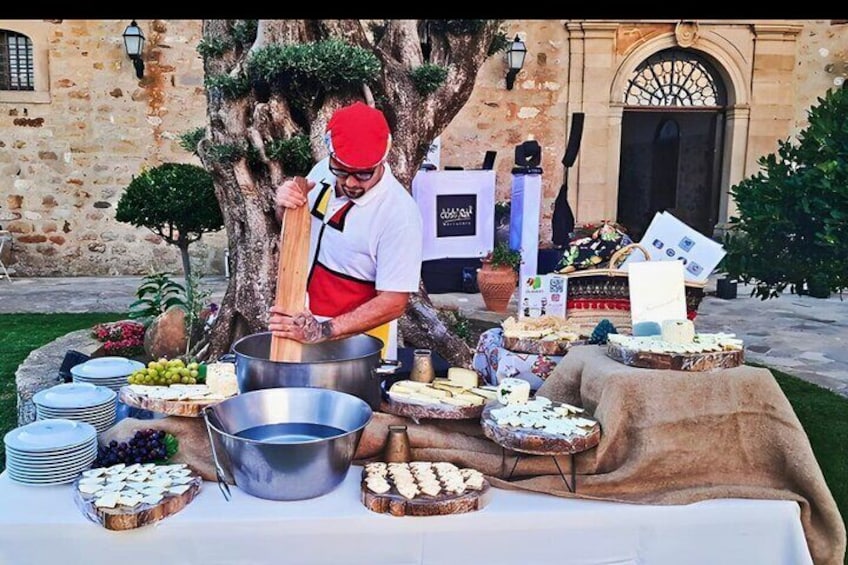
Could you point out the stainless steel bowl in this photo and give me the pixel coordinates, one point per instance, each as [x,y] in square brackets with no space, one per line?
[287,443]
[350,365]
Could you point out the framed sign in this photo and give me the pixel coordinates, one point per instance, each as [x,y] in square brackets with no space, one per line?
[458,212]
[456,215]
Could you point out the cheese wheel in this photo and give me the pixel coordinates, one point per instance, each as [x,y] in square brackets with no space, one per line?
[513,391]
[678,331]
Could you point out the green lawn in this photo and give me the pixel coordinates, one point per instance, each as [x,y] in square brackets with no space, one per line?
[20,334]
[823,414]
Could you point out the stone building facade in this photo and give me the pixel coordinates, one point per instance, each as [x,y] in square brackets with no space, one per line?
[70,146]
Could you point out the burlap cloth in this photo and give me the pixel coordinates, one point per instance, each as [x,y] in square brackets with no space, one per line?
[668,437]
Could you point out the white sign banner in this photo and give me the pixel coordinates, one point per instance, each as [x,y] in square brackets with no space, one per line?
[669,239]
[458,210]
[657,291]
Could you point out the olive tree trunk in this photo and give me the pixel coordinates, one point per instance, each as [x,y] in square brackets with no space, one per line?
[246,191]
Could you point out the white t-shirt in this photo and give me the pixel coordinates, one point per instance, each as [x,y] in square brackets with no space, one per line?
[375,238]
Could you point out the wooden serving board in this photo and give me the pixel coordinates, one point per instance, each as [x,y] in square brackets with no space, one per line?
[536,442]
[123,518]
[423,505]
[430,411]
[539,346]
[186,408]
[707,361]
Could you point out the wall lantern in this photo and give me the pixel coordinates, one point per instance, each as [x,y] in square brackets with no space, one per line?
[134,43]
[515,57]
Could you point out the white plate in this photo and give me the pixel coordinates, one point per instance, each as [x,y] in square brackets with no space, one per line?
[51,434]
[73,395]
[56,480]
[53,453]
[77,467]
[106,368]
[71,414]
[33,461]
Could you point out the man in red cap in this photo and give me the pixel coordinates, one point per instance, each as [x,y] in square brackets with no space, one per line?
[366,240]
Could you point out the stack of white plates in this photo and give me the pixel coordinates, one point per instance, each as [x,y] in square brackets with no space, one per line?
[111,372]
[50,452]
[85,402]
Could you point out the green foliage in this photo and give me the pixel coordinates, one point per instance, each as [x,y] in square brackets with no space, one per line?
[244,31]
[792,223]
[294,153]
[304,71]
[174,200]
[500,42]
[226,153]
[191,138]
[457,27]
[428,78]
[213,47]
[196,300]
[503,256]
[229,87]
[156,293]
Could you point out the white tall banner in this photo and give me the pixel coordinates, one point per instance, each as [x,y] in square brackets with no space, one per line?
[458,210]
[524,211]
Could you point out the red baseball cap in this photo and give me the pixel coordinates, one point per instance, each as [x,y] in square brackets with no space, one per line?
[358,136]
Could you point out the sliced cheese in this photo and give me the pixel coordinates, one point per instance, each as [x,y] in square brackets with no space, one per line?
[678,331]
[464,377]
[221,379]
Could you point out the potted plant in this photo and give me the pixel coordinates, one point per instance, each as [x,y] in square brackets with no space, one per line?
[498,277]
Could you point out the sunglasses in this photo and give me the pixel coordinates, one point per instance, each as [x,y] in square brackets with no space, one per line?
[358,175]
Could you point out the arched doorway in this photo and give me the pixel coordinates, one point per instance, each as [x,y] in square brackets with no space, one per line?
[672,133]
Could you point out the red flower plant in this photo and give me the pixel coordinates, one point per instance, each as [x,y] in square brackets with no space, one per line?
[122,339]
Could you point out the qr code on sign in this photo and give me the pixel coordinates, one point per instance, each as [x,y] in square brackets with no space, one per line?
[557,284]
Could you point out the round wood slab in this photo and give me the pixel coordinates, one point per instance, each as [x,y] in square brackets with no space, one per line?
[423,505]
[187,408]
[123,518]
[539,346]
[707,361]
[432,411]
[534,441]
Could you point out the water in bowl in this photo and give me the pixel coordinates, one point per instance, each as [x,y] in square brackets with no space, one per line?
[290,432]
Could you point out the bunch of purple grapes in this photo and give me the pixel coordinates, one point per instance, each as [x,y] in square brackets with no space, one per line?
[144,447]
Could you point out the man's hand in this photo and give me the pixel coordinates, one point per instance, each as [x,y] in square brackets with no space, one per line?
[289,195]
[302,327]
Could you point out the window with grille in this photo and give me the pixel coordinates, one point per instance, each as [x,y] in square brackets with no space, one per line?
[16,62]
[675,77]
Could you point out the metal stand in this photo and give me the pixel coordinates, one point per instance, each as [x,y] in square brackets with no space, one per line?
[572,488]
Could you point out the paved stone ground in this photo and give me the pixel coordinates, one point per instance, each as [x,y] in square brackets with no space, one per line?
[803,336]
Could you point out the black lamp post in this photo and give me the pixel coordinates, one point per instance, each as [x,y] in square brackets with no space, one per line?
[515,57]
[134,44]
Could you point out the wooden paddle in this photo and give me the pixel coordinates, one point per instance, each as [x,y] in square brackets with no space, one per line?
[292,273]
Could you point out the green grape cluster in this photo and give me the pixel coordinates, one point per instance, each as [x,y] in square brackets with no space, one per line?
[166,372]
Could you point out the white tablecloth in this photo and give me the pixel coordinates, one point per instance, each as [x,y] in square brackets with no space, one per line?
[42,525]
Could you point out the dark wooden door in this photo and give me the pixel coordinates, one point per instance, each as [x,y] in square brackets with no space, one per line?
[670,162]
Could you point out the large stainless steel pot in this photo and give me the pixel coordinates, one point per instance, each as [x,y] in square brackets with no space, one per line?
[350,365]
[286,443]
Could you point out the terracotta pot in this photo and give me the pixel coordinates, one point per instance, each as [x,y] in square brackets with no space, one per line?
[497,284]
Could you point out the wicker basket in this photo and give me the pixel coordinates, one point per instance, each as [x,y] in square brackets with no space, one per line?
[596,294]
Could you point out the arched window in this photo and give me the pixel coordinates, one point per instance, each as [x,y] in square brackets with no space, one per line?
[17,70]
[675,77]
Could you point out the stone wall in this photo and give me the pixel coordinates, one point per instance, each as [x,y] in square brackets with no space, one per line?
[68,151]
[64,164]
